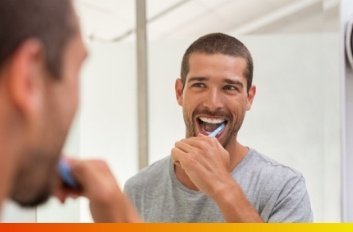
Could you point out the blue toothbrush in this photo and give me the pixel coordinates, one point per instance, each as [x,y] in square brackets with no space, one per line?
[66,175]
[216,131]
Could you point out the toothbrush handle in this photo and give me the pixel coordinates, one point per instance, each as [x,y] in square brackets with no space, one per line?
[65,174]
[216,131]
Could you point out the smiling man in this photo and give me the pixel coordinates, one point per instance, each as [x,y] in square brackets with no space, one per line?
[216,179]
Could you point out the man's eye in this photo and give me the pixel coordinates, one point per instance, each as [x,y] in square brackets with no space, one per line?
[230,88]
[198,85]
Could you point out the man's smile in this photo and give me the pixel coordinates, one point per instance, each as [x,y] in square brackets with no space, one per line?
[207,124]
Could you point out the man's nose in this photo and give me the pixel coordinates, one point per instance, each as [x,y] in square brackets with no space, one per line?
[213,100]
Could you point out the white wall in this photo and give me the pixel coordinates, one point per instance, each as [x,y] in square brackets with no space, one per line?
[108,118]
[11,212]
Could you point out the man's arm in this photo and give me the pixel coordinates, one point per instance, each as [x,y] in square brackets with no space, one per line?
[234,204]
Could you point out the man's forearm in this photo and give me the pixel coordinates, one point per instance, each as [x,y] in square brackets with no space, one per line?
[234,205]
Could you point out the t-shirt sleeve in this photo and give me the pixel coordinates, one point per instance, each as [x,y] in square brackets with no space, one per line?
[293,203]
[129,191]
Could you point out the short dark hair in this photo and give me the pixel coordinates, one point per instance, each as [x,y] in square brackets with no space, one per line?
[49,21]
[219,43]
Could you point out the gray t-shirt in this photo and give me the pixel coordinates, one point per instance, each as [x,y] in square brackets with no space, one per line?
[277,192]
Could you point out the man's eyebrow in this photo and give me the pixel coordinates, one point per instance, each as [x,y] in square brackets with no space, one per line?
[197,79]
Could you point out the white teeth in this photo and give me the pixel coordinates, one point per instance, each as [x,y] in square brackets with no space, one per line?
[212,120]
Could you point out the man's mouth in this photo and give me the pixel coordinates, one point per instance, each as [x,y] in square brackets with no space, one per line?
[207,125]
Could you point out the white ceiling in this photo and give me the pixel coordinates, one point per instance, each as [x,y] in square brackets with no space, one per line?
[115,19]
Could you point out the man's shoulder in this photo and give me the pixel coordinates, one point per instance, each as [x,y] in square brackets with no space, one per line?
[276,190]
[149,174]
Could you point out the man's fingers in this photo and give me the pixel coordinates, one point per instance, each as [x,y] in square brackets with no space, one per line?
[179,156]
[201,143]
[184,146]
[82,169]
[62,193]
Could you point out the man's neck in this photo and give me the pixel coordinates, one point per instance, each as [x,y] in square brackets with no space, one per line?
[7,174]
[237,152]
[8,160]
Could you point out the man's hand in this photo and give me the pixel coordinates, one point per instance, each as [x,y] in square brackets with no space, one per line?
[106,200]
[205,162]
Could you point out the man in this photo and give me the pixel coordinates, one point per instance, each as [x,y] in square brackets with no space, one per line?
[41,53]
[217,179]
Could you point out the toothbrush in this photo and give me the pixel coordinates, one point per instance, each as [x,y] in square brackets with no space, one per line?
[66,175]
[216,131]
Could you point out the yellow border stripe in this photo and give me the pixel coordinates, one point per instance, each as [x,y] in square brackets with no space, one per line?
[181,227]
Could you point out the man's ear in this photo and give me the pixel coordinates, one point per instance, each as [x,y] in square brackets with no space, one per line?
[179,91]
[251,96]
[25,80]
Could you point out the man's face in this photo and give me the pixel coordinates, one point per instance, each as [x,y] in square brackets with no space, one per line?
[36,177]
[215,92]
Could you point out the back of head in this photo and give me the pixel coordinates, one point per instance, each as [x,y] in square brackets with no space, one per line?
[48,21]
[35,39]
[218,43]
